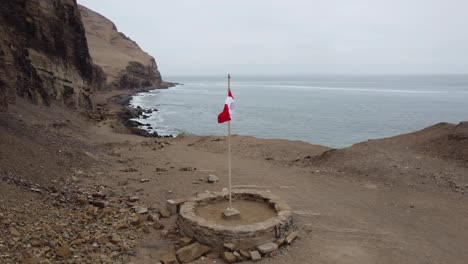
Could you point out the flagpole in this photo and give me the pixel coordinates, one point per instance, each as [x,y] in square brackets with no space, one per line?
[229,149]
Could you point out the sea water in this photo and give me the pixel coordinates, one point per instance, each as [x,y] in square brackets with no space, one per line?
[335,111]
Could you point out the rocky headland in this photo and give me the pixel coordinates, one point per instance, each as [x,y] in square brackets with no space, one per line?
[126,65]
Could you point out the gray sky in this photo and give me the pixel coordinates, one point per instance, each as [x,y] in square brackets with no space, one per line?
[207,37]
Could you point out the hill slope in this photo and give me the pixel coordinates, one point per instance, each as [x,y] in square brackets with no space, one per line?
[124,62]
[434,156]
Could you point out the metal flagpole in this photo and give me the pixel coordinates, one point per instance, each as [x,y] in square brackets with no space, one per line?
[229,148]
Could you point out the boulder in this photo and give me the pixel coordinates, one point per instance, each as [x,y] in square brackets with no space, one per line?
[267,247]
[255,255]
[212,178]
[63,252]
[192,252]
[229,257]
[169,258]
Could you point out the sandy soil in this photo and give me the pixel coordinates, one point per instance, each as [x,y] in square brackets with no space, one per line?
[396,200]
[251,212]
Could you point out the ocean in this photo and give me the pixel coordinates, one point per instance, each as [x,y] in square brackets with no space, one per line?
[334,111]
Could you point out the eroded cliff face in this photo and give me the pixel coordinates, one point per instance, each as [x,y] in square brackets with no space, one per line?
[127,66]
[44,55]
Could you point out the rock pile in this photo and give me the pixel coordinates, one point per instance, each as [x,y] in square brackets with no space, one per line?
[80,225]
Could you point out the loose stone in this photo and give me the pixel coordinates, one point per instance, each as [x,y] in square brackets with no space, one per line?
[63,251]
[169,258]
[267,247]
[255,255]
[229,257]
[158,225]
[290,238]
[192,252]
[230,246]
[133,199]
[165,213]
[153,217]
[244,253]
[212,178]
[185,241]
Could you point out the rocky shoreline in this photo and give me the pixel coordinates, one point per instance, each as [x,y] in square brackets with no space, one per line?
[128,113]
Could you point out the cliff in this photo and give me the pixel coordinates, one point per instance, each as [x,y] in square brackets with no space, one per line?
[127,66]
[44,55]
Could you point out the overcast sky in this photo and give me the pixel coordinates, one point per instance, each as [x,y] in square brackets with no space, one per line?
[208,37]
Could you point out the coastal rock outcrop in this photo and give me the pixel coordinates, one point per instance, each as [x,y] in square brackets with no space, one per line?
[127,66]
[44,55]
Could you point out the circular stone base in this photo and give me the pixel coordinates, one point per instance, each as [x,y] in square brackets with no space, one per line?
[264,218]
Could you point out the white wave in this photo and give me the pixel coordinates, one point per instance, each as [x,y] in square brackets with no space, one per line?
[345,88]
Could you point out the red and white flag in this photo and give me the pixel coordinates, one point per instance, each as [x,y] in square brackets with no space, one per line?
[228,110]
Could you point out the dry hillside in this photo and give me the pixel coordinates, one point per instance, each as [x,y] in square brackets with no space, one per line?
[124,62]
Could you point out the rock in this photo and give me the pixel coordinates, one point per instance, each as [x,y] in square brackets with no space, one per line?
[280,241]
[115,238]
[164,213]
[212,178]
[153,217]
[267,247]
[244,253]
[255,255]
[230,246]
[133,199]
[174,205]
[14,232]
[229,257]
[128,169]
[192,252]
[158,225]
[36,190]
[102,239]
[185,241]
[98,203]
[144,180]
[237,255]
[169,258]
[136,221]
[140,209]
[98,195]
[231,213]
[63,251]
[290,238]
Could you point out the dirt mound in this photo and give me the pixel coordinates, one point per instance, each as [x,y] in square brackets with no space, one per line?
[278,151]
[453,144]
[435,155]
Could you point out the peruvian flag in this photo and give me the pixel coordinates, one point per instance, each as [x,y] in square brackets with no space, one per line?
[228,110]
